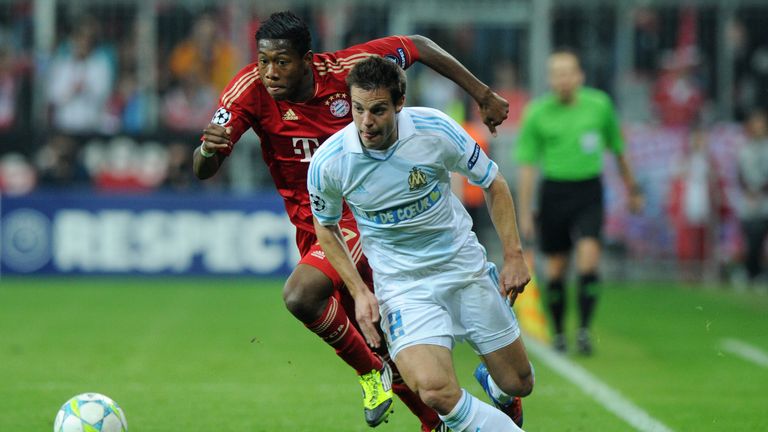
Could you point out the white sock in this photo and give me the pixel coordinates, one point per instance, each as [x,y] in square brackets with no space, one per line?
[473,415]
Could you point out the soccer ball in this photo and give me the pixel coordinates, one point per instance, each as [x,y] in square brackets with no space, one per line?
[90,412]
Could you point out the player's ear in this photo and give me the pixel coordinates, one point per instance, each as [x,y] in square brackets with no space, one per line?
[400,104]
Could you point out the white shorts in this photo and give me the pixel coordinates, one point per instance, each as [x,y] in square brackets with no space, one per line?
[446,307]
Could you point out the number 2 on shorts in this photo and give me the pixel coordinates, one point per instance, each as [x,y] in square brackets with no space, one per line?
[395,325]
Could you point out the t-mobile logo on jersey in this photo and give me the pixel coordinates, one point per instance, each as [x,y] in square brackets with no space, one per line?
[305,147]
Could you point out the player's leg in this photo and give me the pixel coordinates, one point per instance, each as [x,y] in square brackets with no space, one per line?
[428,369]
[310,295]
[555,242]
[507,376]
[493,331]
[587,228]
[428,417]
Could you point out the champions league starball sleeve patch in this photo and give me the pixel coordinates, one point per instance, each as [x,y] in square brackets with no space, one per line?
[221,117]
[398,58]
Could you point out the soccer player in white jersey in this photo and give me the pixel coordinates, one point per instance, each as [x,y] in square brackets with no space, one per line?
[433,284]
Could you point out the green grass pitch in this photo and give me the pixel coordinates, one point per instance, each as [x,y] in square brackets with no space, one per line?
[207,354]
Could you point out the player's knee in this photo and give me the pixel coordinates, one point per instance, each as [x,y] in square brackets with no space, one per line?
[439,394]
[516,384]
[301,303]
[525,386]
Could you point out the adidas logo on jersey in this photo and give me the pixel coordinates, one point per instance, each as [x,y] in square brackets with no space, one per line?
[290,115]
[318,254]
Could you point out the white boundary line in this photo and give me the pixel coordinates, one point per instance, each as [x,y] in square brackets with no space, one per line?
[746,351]
[609,398]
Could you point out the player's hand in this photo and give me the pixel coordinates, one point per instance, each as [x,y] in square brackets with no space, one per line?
[367,314]
[216,138]
[514,277]
[494,109]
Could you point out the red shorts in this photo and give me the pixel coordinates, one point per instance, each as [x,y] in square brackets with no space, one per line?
[312,254]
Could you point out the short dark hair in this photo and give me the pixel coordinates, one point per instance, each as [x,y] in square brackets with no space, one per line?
[377,72]
[286,25]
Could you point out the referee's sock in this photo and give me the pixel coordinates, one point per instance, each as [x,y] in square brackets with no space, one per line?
[556,303]
[588,293]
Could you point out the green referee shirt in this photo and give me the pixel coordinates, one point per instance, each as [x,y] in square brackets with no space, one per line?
[568,141]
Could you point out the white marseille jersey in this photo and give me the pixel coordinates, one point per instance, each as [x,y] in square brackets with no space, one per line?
[408,218]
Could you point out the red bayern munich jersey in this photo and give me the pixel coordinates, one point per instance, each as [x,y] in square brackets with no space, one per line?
[290,132]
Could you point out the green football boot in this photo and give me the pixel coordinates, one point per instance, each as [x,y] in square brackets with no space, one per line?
[377,395]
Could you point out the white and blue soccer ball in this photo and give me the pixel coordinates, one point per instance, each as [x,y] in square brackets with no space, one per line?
[90,412]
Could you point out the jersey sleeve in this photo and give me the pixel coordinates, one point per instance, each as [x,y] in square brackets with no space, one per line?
[399,49]
[462,154]
[528,143]
[232,111]
[325,194]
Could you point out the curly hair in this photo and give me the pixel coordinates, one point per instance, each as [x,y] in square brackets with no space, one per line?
[286,25]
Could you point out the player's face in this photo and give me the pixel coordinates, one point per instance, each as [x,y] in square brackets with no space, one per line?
[286,74]
[375,116]
[565,76]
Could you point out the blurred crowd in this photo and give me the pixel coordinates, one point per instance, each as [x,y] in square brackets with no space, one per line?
[96,117]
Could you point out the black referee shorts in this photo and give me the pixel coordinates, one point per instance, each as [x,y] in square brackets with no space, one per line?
[568,211]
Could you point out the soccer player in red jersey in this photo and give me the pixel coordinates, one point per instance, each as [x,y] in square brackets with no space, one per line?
[294,100]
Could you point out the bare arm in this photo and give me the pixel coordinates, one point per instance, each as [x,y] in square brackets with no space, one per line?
[493,108]
[332,241]
[636,199]
[215,138]
[514,273]
[526,182]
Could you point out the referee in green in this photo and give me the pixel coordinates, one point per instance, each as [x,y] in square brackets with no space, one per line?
[564,134]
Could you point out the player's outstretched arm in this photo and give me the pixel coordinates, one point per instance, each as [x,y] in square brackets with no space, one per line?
[514,274]
[332,241]
[494,109]
[206,158]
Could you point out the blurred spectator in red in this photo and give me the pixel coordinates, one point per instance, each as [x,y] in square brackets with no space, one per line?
[696,200]
[119,170]
[678,96]
[58,163]
[80,81]
[205,53]
[753,176]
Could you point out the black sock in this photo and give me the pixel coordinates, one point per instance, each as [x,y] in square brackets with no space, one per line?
[588,292]
[556,303]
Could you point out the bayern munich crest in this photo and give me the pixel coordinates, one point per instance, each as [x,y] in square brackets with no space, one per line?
[340,107]
[221,117]
[338,104]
